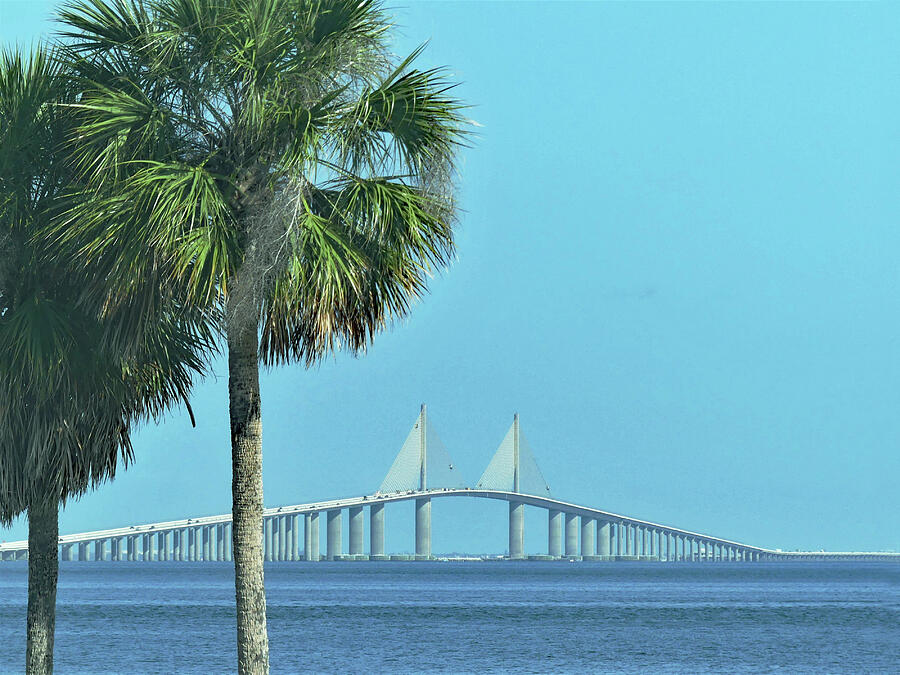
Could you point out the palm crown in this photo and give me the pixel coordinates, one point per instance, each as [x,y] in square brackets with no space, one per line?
[267,152]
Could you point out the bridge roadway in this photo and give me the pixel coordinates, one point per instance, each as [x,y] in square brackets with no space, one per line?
[617,536]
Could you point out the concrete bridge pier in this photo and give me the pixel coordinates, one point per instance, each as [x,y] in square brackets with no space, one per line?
[423,528]
[603,538]
[207,555]
[229,542]
[516,531]
[268,545]
[376,531]
[588,544]
[220,542]
[333,534]
[571,535]
[629,539]
[65,552]
[311,551]
[283,533]
[620,538]
[295,537]
[82,552]
[554,533]
[356,530]
[99,545]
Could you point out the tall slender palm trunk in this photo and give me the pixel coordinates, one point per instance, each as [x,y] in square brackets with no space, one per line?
[43,572]
[247,492]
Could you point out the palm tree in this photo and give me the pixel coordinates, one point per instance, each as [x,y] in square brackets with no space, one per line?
[77,370]
[297,175]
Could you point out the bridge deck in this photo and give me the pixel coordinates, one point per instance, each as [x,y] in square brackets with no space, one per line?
[328,505]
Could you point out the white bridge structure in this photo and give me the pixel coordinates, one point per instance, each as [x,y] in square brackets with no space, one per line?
[423,471]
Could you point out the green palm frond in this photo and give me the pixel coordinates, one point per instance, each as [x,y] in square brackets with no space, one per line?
[84,353]
[273,143]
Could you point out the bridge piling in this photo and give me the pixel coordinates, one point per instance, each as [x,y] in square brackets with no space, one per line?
[516,530]
[554,533]
[603,539]
[282,538]
[588,544]
[571,535]
[356,530]
[376,532]
[423,528]
[333,534]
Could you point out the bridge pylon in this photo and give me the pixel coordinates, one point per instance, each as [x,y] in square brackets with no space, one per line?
[514,469]
[422,464]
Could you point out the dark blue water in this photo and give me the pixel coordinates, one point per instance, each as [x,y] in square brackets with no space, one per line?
[474,617]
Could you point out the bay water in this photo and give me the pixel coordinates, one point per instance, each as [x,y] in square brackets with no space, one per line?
[473,617]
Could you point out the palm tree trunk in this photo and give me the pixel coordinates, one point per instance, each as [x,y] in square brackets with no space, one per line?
[43,572]
[247,491]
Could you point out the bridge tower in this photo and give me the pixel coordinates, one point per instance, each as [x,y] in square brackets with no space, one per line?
[513,469]
[422,465]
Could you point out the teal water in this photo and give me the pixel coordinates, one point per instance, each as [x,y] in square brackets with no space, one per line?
[474,618]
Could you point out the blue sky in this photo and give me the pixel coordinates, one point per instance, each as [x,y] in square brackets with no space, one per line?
[677,262]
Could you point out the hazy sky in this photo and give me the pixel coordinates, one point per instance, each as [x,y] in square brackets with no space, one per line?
[677,261]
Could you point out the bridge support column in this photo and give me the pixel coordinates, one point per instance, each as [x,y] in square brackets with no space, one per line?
[588,544]
[220,542]
[603,538]
[376,531]
[516,531]
[629,539]
[229,542]
[207,544]
[356,530]
[295,537]
[620,539]
[99,553]
[333,534]
[267,541]
[311,551]
[647,541]
[82,552]
[554,533]
[282,538]
[423,528]
[571,535]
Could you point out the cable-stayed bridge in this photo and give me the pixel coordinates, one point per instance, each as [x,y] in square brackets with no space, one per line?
[423,471]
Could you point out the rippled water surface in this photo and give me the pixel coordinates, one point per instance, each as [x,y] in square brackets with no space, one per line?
[474,617]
